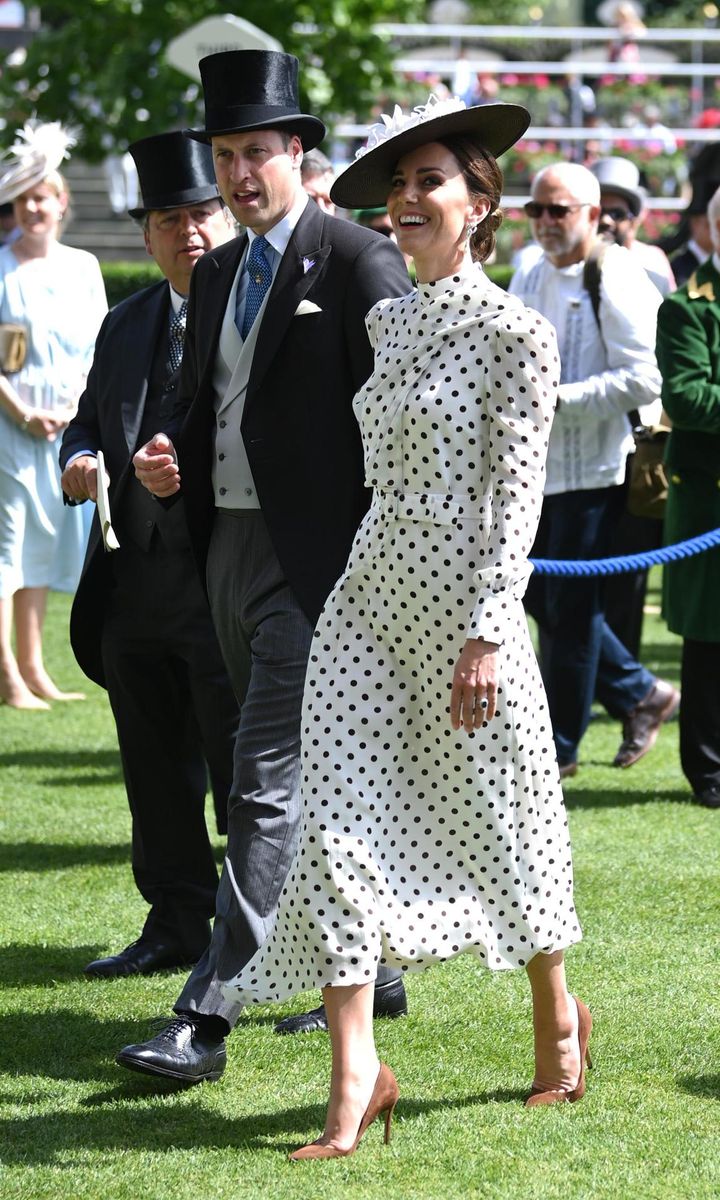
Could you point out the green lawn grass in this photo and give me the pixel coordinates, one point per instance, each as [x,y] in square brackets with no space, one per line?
[72,1124]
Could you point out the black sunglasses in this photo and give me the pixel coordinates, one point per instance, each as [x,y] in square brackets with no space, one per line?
[558,212]
[617,214]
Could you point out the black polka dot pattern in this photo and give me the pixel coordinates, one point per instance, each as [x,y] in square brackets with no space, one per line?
[417,842]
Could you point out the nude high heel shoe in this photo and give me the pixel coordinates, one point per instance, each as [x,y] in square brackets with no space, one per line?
[538,1096]
[383,1100]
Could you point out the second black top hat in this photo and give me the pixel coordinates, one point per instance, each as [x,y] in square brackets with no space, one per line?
[172,172]
[254,89]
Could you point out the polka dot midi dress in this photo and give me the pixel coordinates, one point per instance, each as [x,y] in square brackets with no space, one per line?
[418,842]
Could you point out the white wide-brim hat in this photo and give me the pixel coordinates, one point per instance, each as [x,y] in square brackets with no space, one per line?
[367,181]
[37,151]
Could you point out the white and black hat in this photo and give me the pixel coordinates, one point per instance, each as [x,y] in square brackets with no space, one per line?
[366,182]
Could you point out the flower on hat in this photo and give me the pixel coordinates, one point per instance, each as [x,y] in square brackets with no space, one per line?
[38,150]
[389,126]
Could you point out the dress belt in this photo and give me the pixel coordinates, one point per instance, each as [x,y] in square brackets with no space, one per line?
[436,508]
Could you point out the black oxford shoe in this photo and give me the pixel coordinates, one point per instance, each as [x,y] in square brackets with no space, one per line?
[709,797]
[180,1051]
[139,958]
[390,1001]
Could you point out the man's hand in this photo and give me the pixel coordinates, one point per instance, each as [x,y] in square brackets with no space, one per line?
[474,687]
[79,480]
[156,466]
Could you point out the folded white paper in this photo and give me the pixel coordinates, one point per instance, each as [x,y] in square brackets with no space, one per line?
[109,536]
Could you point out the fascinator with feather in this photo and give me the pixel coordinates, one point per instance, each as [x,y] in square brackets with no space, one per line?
[38,150]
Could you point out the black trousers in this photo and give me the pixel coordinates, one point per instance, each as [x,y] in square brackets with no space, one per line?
[700,714]
[266,640]
[176,716]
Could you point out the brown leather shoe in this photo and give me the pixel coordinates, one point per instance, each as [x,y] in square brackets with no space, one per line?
[567,770]
[642,724]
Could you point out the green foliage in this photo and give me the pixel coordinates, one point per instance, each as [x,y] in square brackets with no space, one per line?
[99,64]
[500,273]
[490,12]
[682,14]
[122,279]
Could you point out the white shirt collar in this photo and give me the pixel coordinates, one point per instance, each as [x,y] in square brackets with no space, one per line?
[280,234]
[701,255]
[716,261]
[176,299]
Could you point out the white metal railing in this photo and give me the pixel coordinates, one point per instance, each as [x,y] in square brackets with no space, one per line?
[573,133]
[549,33]
[504,66]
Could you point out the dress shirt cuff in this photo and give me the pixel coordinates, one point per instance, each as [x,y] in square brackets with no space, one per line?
[80,454]
[571,393]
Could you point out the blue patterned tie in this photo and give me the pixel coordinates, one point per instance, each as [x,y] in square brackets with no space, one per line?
[260,278]
[177,337]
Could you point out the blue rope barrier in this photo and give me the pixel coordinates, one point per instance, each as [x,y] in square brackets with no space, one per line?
[629,562]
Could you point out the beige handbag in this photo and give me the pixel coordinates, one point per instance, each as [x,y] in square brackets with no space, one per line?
[13,348]
[648,485]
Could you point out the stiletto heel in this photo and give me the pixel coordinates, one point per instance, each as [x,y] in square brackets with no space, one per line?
[560,1095]
[383,1100]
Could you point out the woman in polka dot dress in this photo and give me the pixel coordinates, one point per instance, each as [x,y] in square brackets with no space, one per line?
[433,815]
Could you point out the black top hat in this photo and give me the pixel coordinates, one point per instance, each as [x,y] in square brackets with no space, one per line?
[172,172]
[703,190]
[254,89]
[366,182]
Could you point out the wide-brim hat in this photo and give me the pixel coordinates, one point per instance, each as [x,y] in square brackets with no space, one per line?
[366,182]
[622,177]
[37,152]
[254,89]
[172,172]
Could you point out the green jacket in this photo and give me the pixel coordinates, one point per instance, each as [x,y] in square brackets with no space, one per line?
[688,354]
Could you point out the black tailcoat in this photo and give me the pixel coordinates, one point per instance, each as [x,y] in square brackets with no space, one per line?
[299,429]
[109,418]
[141,626]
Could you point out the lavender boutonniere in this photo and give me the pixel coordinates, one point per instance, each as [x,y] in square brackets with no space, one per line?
[308,264]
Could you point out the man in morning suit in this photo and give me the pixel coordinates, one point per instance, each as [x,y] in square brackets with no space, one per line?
[269,461]
[688,352]
[140,623]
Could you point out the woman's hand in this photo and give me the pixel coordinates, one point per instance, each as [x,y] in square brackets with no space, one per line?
[474,687]
[46,423]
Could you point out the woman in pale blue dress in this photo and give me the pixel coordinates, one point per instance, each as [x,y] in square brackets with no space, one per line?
[56,293]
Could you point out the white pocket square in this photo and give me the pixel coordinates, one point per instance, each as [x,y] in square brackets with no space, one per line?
[305,307]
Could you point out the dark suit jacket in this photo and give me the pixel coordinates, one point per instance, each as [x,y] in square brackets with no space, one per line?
[298,425]
[108,418]
[683,264]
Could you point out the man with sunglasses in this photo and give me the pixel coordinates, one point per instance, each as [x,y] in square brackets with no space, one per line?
[608,371]
[622,204]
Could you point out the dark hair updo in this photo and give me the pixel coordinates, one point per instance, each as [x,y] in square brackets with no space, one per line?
[483,177]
